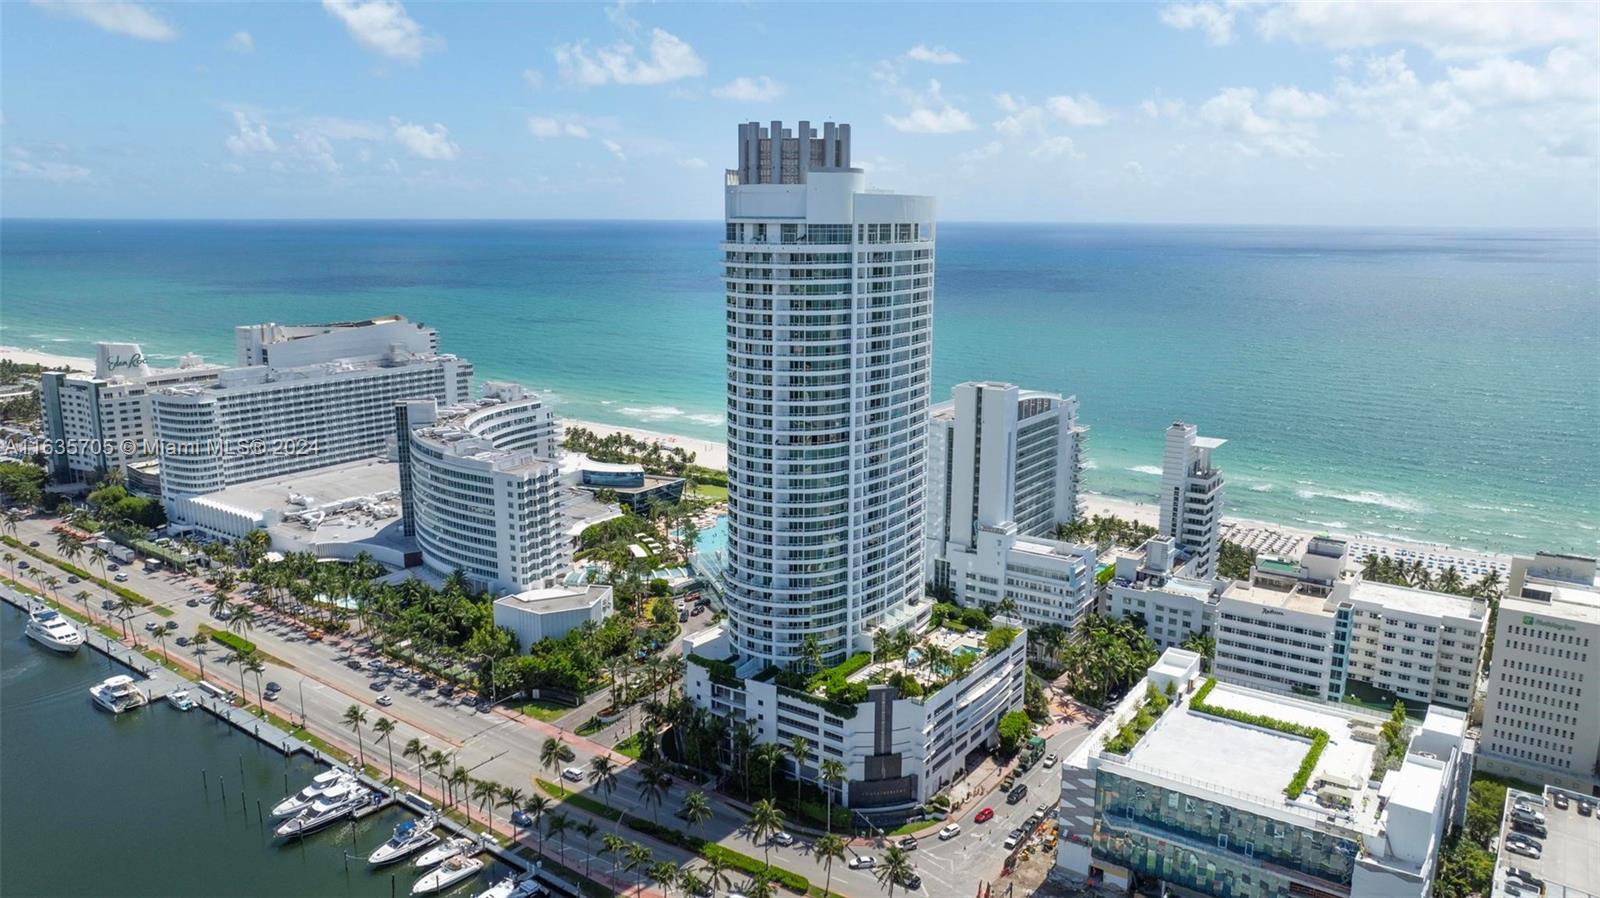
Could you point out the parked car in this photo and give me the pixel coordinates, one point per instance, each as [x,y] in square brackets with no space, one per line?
[683,617]
[950,831]
[696,610]
[862,862]
[1532,829]
[314,635]
[1561,801]
[1525,876]
[984,815]
[1017,793]
[1585,807]
[1524,849]
[1013,839]
[909,843]
[1050,760]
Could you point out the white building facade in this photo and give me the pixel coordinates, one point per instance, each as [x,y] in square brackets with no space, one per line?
[1191,497]
[535,615]
[481,488]
[295,346]
[1541,718]
[829,293]
[1173,606]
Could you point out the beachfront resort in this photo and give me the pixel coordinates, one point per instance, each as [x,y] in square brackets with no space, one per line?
[889,602]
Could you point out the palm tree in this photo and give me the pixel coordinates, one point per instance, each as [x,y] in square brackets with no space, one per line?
[354,718]
[663,873]
[744,738]
[125,607]
[511,797]
[800,751]
[716,872]
[483,791]
[11,561]
[637,857]
[13,517]
[651,792]
[200,641]
[760,887]
[557,827]
[383,726]
[535,807]
[251,664]
[603,775]
[895,868]
[1006,607]
[811,651]
[587,829]
[241,620]
[832,772]
[439,763]
[550,759]
[160,635]
[54,583]
[614,845]
[415,749]
[459,777]
[766,821]
[770,755]
[690,883]
[696,808]
[67,546]
[83,598]
[828,849]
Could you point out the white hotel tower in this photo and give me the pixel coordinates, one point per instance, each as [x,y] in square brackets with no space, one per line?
[829,317]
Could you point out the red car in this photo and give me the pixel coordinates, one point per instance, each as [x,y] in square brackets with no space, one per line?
[984,816]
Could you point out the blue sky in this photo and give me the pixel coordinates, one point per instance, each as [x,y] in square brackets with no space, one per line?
[1194,111]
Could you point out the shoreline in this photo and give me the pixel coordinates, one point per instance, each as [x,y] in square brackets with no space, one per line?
[1264,536]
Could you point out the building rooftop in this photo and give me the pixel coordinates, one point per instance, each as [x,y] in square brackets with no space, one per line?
[1291,600]
[552,599]
[1569,863]
[1566,601]
[1418,601]
[374,479]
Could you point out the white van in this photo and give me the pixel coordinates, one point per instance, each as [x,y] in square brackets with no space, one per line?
[574,774]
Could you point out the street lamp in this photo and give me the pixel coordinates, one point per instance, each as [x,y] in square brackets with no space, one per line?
[302,702]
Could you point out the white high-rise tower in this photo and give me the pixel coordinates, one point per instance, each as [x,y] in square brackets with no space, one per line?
[829,321]
[1191,497]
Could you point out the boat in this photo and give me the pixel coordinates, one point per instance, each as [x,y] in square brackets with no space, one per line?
[51,629]
[322,785]
[179,698]
[321,813]
[117,694]
[512,887]
[409,836]
[447,874]
[445,851]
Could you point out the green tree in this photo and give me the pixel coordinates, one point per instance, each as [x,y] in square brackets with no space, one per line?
[639,858]
[416,750]
[550,758]
[535,807]
[832,773]
[766,821]
[828,849]
[895,869]
[603,776]
[556,827]
[355,719]
[1014,727]
[696,809]
[385,727]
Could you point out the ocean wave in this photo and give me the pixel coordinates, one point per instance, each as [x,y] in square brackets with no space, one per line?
[1090,464]
[1365,497]
[1332,525]
[1152,470]
[707,419]
[652,413]
[1260,487]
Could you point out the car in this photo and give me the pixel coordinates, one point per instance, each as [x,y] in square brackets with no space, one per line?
[950,831]
[1524,875]
[572,774]
[378,685]
[1526,850]
[314,635]
[34,544]
[113,567]
[172,625]
[909,843]
[385,700]
[862,862]
[1043,810]
[150,626]
[1532,829]
[984,815]
[121,578]
[108,604]
[193,602]
[683,617]
[1585,807]
[183,641]
[447,690]
[1050,760]
[1013,839]
[519,817]
[696,610]
[1017,793]
[73,580]
[911,882]
[782,838]
[1031,822]
[22,564]
[1561,801]
[353,664]
[272,686]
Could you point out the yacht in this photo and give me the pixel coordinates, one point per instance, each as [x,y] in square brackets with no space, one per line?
[322,812]
[512,887]
[409,836]
[51,629]
[323,785]
[447,874]
[117,694]
[179,698]
[445,851]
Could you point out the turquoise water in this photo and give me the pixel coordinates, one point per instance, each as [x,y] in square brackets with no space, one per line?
[114,805]
[1424,384]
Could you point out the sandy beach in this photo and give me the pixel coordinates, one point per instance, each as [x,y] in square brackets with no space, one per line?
[707,454]
[49,360]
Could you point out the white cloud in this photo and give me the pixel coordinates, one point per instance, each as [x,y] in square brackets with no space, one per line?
[750,90]
[1161,108]
[931,114]
[980,154]
[1565,75]
[424,142]
[1007,102]
[671,59]
[241,42]
[937,55]
[383,27]
[1211,18]
[615,148]
[315,149]
[693,162]
[533,78]
[1134,169]
[335,128]
[1080,110]
[1292,102]
[115,16]
[21,164]
[1392,94]
[546,128]
[1056,148]
[251,136]
[1233,111]
[1447,29]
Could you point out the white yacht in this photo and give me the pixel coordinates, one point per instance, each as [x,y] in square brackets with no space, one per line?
[445,851]
[51,629]
[322,812]
[512,887]
[117,694]
[323,785]
[409,836]
[179,698]
[447,874]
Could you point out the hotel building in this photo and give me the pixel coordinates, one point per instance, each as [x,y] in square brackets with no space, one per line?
[295,346]
[481,488]
[829,330]
[1003,471]
[1146,584]
[1541,718]
[1200,800]
[1191,498]
[100,422]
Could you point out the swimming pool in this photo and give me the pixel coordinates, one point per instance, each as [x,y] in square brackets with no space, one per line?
[711,549]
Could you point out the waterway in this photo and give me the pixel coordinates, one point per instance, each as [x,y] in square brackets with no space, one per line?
[156,801]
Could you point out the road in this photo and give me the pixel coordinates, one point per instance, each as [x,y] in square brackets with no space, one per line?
[318,685]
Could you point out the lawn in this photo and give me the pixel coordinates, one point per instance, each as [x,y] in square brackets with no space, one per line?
[549,712]
[711,491]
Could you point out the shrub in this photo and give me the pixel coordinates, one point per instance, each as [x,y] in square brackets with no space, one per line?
[999,640]
[233,641]
[1013,727]
[721,671]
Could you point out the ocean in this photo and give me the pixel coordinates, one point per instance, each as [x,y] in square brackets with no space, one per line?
[1421,384]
